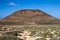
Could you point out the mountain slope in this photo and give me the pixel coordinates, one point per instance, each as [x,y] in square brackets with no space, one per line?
[22,17]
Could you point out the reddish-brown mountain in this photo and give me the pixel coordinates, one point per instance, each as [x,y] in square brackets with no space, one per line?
[29,17]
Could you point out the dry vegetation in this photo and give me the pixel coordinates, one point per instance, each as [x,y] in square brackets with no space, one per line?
[47,32]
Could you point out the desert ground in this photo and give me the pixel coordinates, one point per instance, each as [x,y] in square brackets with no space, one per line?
[30,32]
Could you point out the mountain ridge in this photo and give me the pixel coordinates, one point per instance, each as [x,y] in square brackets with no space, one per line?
[28,16]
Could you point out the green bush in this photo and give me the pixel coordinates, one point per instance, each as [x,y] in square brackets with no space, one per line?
[9,38]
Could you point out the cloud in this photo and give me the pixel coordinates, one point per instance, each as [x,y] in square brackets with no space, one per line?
[11,3]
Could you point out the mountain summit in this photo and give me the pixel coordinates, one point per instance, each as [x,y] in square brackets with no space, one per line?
[22,17]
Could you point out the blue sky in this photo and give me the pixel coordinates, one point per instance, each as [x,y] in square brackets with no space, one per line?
[51,7]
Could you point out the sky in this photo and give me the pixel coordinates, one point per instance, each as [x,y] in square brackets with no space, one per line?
[51,7]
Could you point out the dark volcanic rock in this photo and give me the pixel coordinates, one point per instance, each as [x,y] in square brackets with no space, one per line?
[23,17]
